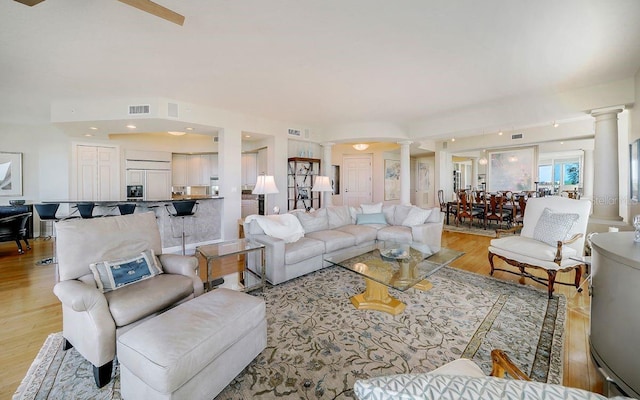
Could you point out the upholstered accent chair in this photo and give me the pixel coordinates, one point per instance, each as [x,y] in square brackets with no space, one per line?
[553,231]
[99,301]
[463,379]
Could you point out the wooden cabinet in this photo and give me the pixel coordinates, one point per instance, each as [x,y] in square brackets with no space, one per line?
[300,177]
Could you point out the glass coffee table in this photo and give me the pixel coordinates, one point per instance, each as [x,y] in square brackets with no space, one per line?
[399,266]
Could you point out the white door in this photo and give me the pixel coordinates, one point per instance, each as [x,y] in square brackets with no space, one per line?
[157,185]
[357,180]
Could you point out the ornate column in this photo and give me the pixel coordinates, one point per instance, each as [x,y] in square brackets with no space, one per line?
[405,172]
[606,194]
[327,148]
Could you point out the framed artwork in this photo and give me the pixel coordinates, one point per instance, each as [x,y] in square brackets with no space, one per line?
[512,169]
[391,179]
[10,174]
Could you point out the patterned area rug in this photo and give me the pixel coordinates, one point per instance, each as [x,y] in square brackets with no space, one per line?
[319,344]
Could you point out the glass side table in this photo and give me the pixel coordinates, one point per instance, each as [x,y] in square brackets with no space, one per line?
[250,279]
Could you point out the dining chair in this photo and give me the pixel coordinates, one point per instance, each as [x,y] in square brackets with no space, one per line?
[465,207]
[495,211]
[480,204]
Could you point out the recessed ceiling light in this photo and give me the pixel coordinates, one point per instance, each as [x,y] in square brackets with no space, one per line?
[189,128]
[453,139]
[176,133]
[500,133]
[88,134]
[247,136]
[131,126]
[555,124]
[93,128]
[561,142]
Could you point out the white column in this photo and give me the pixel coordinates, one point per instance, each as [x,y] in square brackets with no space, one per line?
[606,196]
[405,172]
[327,148]
[587,175]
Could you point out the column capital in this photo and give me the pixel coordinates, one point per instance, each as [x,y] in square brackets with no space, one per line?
[405,142]
[327,144]
[611,111]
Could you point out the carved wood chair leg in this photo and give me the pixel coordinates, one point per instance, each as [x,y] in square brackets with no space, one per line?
[521,280]
[552,280]
[578,278]
[491,263]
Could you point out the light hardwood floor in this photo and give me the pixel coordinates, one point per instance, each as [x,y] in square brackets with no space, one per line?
[29,311]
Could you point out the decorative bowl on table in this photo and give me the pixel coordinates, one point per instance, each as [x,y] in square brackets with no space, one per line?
[16,202]
[394,254]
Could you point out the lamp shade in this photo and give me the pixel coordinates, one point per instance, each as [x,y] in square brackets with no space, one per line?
[265,185]
[322,184]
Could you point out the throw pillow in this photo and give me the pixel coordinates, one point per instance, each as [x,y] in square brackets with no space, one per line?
[552,227]
[371,208]
[434,216]
[377,218]
[416,216]
[338,216]
[112,275]
[313,221]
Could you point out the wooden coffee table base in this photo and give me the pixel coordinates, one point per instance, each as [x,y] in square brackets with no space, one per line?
[423,285]
[376,297]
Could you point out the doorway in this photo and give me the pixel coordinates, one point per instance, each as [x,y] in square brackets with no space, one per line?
[356,180]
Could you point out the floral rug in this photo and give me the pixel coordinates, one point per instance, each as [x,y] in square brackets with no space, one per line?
[319,344]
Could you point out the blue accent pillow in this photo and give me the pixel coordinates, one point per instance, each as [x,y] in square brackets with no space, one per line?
[376,218]
[112,275]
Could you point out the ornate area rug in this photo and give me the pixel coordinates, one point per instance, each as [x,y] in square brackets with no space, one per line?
[319,344]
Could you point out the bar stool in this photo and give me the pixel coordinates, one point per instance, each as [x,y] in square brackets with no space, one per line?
[47,213]
[86,209]
[126,208]
[182,209]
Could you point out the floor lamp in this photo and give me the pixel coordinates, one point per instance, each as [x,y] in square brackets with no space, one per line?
[266,185]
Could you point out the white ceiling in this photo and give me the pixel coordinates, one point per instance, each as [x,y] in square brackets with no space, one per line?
[315,62]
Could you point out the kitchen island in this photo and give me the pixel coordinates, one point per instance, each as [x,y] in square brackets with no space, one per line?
[204,227]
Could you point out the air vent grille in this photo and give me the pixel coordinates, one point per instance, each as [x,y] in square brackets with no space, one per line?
[517,136]
[216,139]
[444,145]
[139,109]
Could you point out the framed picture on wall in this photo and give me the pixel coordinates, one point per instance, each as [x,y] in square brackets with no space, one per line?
[512,169]
[391,179]
[10,174]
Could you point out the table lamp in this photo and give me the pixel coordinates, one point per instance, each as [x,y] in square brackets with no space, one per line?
[322,184]
[266,185]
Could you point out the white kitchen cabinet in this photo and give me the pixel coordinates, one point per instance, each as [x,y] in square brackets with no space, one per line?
[158,185]
[97,173]
[135,177]
[262,162]
[179,170]
[249,169]
[193,169]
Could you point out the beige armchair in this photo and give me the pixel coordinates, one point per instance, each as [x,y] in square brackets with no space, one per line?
[463,379]
[92,320]
[552,233]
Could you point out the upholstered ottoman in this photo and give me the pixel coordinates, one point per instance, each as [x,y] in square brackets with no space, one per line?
[194,350]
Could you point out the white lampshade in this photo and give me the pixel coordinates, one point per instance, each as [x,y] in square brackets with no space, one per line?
[322,184]
[265,185]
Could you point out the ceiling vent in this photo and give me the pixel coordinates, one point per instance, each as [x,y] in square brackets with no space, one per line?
[140,109]
[172,110]
[517,136]
[216,139]
[444,145]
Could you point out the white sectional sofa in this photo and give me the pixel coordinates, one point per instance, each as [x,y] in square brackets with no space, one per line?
[338,233]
